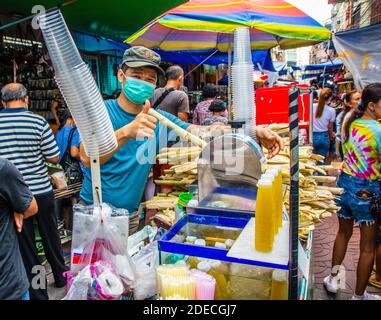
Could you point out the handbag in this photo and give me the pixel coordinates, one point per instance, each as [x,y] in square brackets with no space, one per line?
[71,165]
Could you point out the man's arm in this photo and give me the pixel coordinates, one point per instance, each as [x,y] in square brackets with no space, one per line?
[183,116]
[183,109]
[17,194]
[30,211]
[49,146]
[268,138]
[142,127]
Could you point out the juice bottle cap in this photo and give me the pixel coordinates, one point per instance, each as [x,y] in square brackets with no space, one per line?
[229,242]
[268,176]
[204,266]
[279,275]
[265,183]
[200,242]
[220,245]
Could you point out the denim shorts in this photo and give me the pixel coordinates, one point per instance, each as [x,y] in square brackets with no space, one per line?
[321,143]
[353,206]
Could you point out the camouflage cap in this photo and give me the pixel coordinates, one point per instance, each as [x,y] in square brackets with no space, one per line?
[139,56]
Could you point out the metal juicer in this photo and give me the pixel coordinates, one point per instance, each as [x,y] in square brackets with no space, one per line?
[228,171]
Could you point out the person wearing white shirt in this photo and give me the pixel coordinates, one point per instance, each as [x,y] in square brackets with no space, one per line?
[324,118]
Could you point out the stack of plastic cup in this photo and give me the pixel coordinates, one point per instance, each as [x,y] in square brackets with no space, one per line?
[242,81]
[78,86]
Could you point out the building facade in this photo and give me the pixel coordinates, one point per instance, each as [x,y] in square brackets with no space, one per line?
[351,14]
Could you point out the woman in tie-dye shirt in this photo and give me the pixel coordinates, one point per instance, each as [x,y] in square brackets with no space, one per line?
[360,179]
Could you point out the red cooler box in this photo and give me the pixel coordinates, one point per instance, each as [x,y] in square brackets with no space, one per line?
[273,106]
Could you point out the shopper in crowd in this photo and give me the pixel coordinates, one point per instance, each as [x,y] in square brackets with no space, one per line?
[202,112]
[324,117]
[359,178]
[28,141]
[217,107]
[58,109]
[350,102]
[336,105]
[170,98]
[68,141]
[315,96]
[16,204]
[124,172]
[67,135]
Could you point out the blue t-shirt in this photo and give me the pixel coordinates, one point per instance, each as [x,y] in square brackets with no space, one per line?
[124,176]
[62,139]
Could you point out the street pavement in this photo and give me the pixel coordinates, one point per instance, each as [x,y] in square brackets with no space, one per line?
[324,237]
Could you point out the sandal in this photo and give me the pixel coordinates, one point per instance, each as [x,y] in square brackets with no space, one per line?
[373,282]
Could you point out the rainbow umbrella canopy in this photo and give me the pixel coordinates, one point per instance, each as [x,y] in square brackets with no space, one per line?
[207,24]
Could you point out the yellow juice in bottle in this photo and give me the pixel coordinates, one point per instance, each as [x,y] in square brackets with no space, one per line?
[215,270]
[271,177]
[278,187]
[279,285]
[264,216]
[279,192]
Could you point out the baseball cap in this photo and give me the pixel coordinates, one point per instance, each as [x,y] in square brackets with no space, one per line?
[139,56]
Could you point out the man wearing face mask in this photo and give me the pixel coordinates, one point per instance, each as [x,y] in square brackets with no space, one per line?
[124,172]
[170,98]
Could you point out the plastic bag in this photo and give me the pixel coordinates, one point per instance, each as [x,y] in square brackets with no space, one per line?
[146,261]
[95,228]
[138,240]
[100,261]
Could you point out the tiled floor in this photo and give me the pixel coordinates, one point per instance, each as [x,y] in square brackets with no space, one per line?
[324,237]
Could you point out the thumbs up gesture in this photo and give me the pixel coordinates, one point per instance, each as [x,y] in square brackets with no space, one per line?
[144,124]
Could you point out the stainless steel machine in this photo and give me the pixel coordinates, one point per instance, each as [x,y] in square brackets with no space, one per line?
[228,171]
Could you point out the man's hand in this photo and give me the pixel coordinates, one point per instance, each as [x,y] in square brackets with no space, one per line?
[270,140]
[19,220]
[143,126]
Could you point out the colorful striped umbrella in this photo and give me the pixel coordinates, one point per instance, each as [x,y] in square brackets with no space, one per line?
[206,24]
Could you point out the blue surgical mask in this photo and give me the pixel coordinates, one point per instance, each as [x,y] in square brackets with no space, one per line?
[138,91]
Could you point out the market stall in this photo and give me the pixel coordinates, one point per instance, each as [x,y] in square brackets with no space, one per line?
[233,224]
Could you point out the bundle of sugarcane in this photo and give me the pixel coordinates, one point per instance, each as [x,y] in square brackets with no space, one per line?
[161,202]
[279,128]
[167,216]
[316,201]
[183,171]
[176,156]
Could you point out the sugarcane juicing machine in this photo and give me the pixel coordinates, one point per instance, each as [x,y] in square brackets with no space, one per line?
[228,171]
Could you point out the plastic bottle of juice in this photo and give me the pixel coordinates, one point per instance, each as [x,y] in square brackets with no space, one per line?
[277,172]
[264,216]
[270,176]
[220,272]
[212,268]
[279,285]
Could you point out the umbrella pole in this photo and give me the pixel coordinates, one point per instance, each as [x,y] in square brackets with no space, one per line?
[229,79]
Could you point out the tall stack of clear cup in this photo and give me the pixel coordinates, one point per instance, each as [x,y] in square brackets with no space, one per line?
[242,81]
[78,86]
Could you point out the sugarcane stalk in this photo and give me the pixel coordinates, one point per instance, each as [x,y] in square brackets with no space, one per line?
[180,131]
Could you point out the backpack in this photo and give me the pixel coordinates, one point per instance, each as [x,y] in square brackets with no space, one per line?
[71,166]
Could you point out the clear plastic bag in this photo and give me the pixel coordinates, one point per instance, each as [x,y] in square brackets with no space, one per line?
[146,261]
[100,260]
[94,229]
